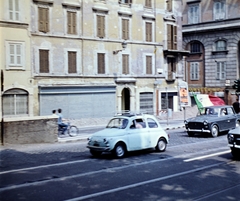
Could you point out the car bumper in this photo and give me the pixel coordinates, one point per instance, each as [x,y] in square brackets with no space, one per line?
[234,146]
[198,130]
[95,148]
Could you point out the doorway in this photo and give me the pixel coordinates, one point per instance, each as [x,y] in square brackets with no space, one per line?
[126,99]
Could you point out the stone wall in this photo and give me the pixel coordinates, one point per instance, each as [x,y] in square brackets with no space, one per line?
[39,129]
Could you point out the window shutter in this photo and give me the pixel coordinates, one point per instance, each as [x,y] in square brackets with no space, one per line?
[169,36]
[11,9]
[149,64]
[101,63]
[17,10]
[125,29]
[125,64]
[100,26]
[148,32]
[148,3]
[74,21]
[174,37]
[169,5]
[43,19]
[18,54]
[44,61]
[72,63]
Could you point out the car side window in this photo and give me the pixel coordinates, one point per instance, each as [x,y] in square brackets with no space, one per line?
[230,111]
[152,123]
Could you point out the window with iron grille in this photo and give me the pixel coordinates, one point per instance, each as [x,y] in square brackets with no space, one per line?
[219,10]
[171,37]
[100,26]
[193,14]
[101,63]
[43,61]
[148,64]
[15,102]
[148,3]
[125,29]
[194,71]
[221,70]
[43,19]
[195,47]
[221,45]
[72,62]
[14,11]
[148,31]
[169,5]
[125,64]
[71,22]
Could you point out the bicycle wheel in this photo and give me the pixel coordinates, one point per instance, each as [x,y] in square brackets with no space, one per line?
[73,131]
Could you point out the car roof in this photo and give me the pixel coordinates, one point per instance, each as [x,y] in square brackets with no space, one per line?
[132,114]
[218,106]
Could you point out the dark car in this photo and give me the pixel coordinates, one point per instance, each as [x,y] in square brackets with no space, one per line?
[213,120]
[234,142]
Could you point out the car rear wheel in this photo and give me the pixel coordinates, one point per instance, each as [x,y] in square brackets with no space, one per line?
[214,131]
[95,153]
[119,150]
[161,145]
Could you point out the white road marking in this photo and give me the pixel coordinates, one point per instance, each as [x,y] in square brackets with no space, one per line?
[44,166]
[207,156]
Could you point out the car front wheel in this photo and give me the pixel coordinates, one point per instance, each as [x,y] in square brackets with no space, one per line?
[214,131]
[119,150]
[161,145]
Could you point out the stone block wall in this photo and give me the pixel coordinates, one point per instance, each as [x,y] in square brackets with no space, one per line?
[29,130]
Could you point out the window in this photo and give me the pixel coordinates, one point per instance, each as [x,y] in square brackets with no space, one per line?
[171,68]
[15,55]
[148,3]
[125,1]
[72,62]
[195,47]
[169,5]
[194,71]
[14,12]
[148,31]
[221,70]
[15,102]
[43,19]
[101,63]
[100,26]
[71,22]
[193,14]
[148,64]
[125,64]
[172,37]
[43,61]
[125,29]
[220,45]
[219,10]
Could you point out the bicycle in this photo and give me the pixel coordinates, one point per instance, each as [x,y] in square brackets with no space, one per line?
[71,130]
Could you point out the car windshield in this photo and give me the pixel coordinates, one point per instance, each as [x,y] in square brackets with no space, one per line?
[118,123]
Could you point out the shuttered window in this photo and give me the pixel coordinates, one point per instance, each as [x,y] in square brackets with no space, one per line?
[169,5]
[125,29]
[171,37]
[14,12]
[148,32]
[149,64]
[171,68]
[193,14]
[15,102]
[15,55]
[101,63]
[125,64]
[71,22]
[221,71]
[219,10]
[194,71]
[44,61]
[100,26]
[72,62]
[43,19]
[148,3]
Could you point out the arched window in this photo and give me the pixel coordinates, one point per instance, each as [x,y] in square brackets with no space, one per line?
[221,45]
[15,102]
[195,47]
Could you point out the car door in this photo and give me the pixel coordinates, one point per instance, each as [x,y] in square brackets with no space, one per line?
[232,117]
[153,132]
[137,135]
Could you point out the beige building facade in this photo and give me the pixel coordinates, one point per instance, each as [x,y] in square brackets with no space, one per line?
[98,57]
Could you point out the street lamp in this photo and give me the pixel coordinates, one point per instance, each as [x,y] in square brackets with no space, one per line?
[124,45]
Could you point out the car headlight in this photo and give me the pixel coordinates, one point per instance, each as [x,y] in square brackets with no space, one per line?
[230,138]
[185,122]
[205,122]
[89,139]
[105,141]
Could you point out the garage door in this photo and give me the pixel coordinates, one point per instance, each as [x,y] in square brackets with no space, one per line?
[79,102]
[146,102]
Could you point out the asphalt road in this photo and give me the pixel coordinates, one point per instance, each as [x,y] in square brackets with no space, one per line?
[192,168]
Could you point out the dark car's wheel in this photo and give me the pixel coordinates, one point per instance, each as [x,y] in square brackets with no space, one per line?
[120,150]
[190,134]
[161,145]
[235,153]
[214,131]
[96,153]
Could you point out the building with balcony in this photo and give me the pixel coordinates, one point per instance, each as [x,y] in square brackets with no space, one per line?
[211,32]
[95,58]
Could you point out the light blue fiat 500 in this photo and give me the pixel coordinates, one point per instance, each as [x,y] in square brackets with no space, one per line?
[127,132]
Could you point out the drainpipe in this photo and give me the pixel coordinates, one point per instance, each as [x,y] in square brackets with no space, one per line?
[2,122]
